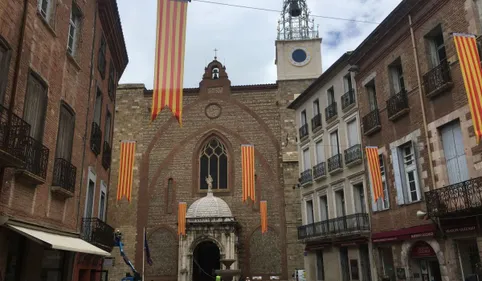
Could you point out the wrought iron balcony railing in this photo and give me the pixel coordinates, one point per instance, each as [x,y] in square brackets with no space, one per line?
[319,170]
[316,122]
[64,175]
[306,177]
[36,157]
[353,154]
[106,155]
[458,199]
[95,138]
[335,163]
[98,233]
[437,79]
[397,105]
[331,111]
[12,137]
[371,122]
[346,225]
[348,99]
[303,131]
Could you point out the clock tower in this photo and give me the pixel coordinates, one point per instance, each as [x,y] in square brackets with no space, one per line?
[298,47]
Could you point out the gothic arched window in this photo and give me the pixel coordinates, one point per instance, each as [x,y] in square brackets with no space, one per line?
[213,160]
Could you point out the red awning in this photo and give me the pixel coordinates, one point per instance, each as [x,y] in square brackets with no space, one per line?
[426,230]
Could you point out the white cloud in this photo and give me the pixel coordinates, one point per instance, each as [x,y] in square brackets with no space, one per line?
[245,38]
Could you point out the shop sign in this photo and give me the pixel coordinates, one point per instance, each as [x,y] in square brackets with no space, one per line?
[460,229]
[421,250]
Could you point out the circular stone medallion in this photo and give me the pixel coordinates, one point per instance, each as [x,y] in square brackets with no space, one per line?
[213,111]
[300,56]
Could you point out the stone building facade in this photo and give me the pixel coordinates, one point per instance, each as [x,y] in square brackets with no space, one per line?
[414,107]
[336,226]
[55,56]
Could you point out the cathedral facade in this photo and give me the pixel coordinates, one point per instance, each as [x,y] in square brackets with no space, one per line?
[172,165]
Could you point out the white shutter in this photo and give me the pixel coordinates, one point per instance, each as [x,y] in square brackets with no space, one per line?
[372,195]
[306,159]
[320,154]
[398,176]
[454,153]
[352,133]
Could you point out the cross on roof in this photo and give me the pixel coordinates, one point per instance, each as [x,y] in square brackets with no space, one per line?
[216,54]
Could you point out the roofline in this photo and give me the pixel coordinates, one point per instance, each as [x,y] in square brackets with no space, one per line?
[237,88]
[320,81]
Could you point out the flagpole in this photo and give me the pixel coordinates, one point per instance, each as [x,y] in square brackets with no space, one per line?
[144,254]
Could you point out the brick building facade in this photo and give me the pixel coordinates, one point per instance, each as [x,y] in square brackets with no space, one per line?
[55,59]
[414,107]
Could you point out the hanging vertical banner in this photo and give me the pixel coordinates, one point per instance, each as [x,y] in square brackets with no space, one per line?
[263,208]
[469,59]
[374,171]
[247,160]
[126,167]
[181,217]
[169,60]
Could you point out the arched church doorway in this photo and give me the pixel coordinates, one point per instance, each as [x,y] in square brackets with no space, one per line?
[206,259]
[424,263]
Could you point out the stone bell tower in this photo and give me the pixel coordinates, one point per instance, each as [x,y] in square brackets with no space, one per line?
[298,47]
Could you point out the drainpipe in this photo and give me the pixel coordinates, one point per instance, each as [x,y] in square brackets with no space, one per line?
[16,73]
[84,138]
[422,102]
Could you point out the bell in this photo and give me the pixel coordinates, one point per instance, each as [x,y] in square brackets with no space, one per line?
[295,10]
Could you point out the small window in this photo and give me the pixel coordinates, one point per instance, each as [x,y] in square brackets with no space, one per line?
[316,107]
[324,215]
[334,143]
[303,118]
[74,30]
[45,8]
[5,55]
[101,62]
[98,107]
[309,212]
[372,95]
[396,74]
[411,181]
[214,162]
[320,152]
[35,107]
[65,136]
[306,159]
[340,203]
[331,95]
[102,205]
[347,82]
[436,44]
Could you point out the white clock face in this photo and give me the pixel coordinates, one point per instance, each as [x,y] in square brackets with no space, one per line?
[299,56]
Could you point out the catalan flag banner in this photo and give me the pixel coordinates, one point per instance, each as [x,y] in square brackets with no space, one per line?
[374,171]
[469,59]
[247,160]
[169,60]
[181,217]
[126,170]
[263,208]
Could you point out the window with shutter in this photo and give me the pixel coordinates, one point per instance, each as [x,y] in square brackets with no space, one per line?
[320,153]
[65,136]
[406,174]
[398,176]
[454,151]
[372,95]
[309,212]
[5,55]
[334,143]
[352,128]
[35,106]
[383,204]
[306,159]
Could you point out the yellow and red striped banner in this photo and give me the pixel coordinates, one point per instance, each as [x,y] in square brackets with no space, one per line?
[247,160]
[169,64]
[263,208]
[375,172]
[181,218]
[469,58]
[126,170]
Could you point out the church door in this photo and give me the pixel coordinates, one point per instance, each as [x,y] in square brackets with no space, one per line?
[206,260]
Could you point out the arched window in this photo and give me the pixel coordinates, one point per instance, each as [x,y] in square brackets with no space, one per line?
[215,73]
[214,161]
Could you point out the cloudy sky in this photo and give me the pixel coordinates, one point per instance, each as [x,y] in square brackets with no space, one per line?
[245,37]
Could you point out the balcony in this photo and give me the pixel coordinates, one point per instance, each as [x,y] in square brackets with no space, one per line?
[316,122]
[95,138]
[106,155]
[303,131]
[98,233]
[353,155]
[335,164]
[371,123]
[348,100]
[437,80]
[12,138]
[331,111]
[63,181]
[464,198]
[36,162]
[397,105]
[319,171]
[347,225]
[306,177]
